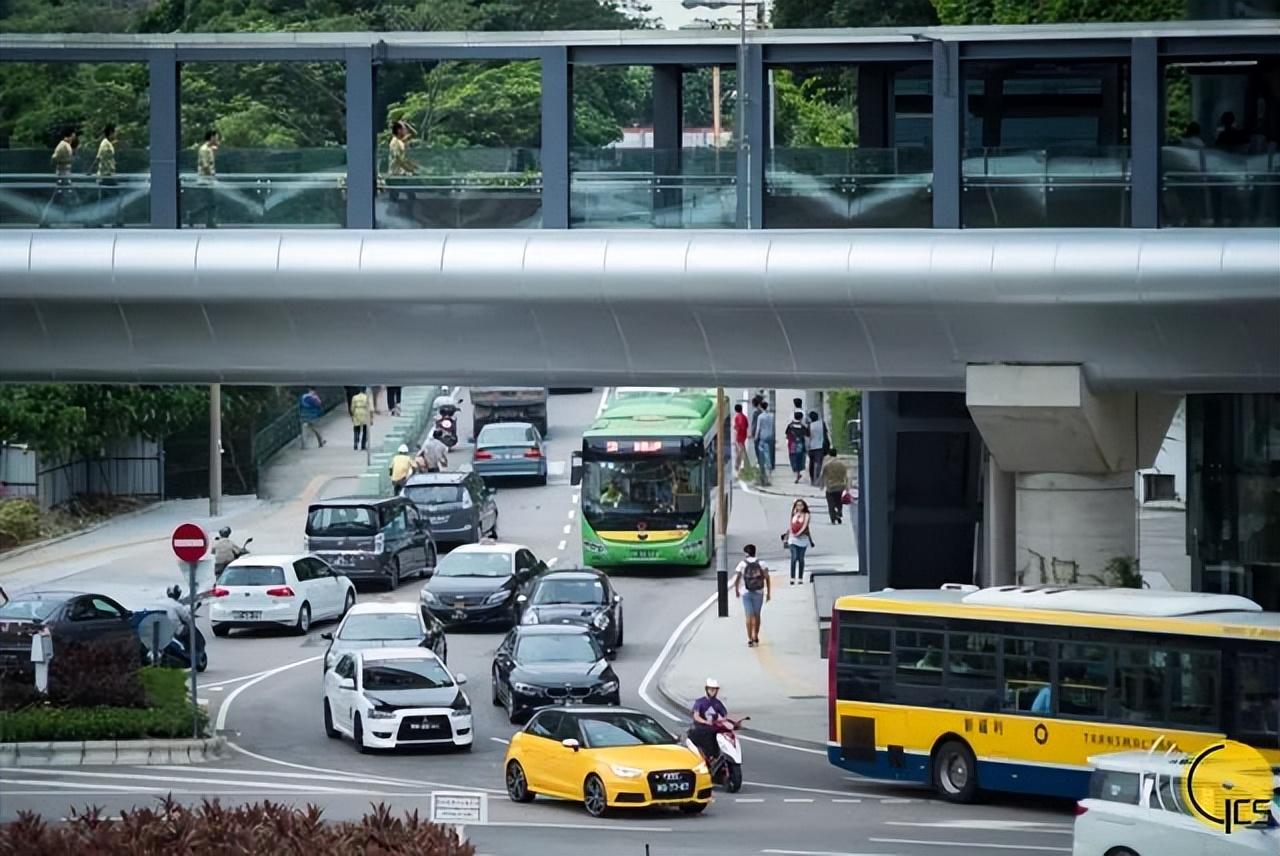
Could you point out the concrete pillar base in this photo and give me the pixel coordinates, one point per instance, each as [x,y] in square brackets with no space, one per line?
[1071,525]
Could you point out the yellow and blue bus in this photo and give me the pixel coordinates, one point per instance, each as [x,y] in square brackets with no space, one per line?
[1013,688]
[648,475]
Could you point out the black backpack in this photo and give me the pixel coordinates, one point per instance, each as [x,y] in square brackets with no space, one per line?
[753,575]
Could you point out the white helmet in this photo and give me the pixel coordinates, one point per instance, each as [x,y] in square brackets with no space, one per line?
[712,684]
[404,450]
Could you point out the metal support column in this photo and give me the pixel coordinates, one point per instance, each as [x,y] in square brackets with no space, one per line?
[215,449]
[362,164]
[947,103]
[557,131]
[162,68]
[668,137]
[1145,102]
[753,108]
[722,513]
[878,475]
[875,106]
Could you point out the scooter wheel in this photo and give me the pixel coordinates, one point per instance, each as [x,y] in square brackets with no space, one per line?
[733,777]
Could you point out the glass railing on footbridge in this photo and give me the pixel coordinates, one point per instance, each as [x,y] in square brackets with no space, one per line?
[828,188]
[32,196]
[471,188]
[1053,187]
[1218,187]
[623,188]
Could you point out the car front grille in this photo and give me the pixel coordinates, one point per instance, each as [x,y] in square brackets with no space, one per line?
[671,784]
[455,600]
[569,692]
[425,728]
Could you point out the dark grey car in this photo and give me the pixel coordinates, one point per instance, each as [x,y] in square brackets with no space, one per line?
[459,507]
[380,540]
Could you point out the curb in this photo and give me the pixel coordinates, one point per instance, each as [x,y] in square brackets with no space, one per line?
[683,705]
[75,753]
[17,552]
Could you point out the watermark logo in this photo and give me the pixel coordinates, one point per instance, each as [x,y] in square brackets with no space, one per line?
[1227,786]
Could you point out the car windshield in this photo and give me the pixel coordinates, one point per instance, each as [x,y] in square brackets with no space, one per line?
[458,564]
[424,674]
[30,609]
[333,521]
[623,729]
[569,591]
[381,625]
[252,575]
[433,494]
[504,434]
[558,648]
[663,492]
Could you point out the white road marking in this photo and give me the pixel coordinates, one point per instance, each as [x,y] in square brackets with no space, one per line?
[567,529]
[798,800]
[573,512]
[895,801]
[226,705]
[501,740]
[810,790]
[552,561]
[575,499]
[346,777]
[1001,825]
[593,827]
[562,545]
[977,846]
[748,799]
[664,653]
[846,801]
[419,782]
[781,745]
[821,853]
[215,689]
[190,780]
[45,783]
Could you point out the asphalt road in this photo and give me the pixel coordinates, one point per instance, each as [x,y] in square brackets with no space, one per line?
[264,690]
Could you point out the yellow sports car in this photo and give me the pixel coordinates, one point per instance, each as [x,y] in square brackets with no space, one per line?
[606,757]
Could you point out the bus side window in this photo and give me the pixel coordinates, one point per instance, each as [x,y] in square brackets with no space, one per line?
[971,671]
[864,662]
[1257,700]
[1084,679]
[1027,676]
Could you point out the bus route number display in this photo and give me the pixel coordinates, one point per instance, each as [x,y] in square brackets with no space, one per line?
[639,447]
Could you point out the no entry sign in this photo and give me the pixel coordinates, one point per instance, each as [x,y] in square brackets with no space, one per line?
[189,542]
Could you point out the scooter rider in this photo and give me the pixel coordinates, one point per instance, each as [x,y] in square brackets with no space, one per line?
[706,711]
[225,551]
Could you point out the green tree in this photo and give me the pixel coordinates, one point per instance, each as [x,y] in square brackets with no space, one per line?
[801,14]
[812,113]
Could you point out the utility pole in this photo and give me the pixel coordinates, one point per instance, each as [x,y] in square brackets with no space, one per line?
[722,512]
[215,450]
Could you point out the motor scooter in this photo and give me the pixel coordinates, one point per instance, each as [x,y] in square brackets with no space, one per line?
[725,767]
[175,654]
[447,424]
[243,551]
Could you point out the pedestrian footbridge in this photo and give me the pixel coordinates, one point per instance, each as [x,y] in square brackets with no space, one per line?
[1179,310]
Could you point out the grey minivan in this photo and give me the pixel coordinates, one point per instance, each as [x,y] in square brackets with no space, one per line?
[459,507]
[370,539]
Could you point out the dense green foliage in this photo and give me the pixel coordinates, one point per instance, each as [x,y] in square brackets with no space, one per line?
[845,406]
[19,522]
[168,716]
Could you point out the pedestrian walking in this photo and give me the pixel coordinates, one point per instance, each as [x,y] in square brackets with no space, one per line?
[400,167]
[64,154]
[206,175]
[797,433]
[798,539]
[819,445]
[393,400]
[310,409]
[434,453]
[104,166]
[401,468]
[751,430]
[740,425]
[361,420]
[835,481]
[753,575]
[764,442]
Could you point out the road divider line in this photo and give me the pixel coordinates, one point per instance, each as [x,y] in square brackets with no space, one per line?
[226,705]
[502,740]
[798,800]
[657,664]
[190,780]
[842,800]
[552,561]
[748,799]
[976,846]
[567,529]
[346,777]
[390,780]
[573,512]
[607,827]
[45,783]
[574,498]
[822,791]
[562,545]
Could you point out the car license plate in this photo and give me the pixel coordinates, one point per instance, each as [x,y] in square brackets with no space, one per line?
[438,520]
[459,614]
[423,727]
[244,615]
[672,788]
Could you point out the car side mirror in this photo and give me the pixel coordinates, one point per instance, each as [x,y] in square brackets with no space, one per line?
[346,683]
[328,636]
[520,598]
[459,679]
[570,743]
[575,468]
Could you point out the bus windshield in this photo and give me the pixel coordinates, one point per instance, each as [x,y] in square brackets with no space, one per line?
[665,492]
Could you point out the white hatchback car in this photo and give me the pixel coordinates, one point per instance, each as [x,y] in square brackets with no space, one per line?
[1135,808]
[388,697]
[272,591]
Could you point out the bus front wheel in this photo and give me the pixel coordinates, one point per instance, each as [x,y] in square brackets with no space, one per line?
[955,772]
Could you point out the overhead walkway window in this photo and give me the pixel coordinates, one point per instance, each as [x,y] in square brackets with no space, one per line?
[851,147]
[73,145]
[1046,144]
[262,144]
[1220,165]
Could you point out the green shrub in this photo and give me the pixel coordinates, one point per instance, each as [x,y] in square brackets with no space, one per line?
[168,716]
[846,404]
[19,522]
[258,829]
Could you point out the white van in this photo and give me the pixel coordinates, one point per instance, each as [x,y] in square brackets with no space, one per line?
[1135,808]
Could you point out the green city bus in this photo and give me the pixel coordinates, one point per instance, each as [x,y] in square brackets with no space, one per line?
[648,475]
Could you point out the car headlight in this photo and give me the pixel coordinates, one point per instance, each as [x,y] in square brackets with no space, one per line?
[593,547]
[497,596]
[700,769]
[693,546]
[526,689]
[429,596]
[609,687]
[600,621]
[376,712]
[529,617]
[461,704]
[625,772]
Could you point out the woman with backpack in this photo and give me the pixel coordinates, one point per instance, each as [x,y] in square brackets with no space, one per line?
[798,539]
[753,574]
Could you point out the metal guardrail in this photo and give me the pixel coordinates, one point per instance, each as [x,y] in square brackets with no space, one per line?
[286,426]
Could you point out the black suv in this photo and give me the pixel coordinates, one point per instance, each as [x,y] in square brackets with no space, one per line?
[370,539]
[459,507]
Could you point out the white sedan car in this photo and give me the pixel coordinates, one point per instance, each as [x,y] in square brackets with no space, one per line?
[273,591]
[388,697]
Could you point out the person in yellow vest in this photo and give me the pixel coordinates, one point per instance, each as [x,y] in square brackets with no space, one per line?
[104,164]
[206,173]
[361,420]
[64,153]
[401,468]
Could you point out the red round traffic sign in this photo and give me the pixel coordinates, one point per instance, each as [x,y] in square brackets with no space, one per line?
[189,542]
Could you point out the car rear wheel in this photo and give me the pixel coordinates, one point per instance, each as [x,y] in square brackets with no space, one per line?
[518,784]
[594,798]
[221,630]
[693,808]
[329,730]
[955,772]
[303,625]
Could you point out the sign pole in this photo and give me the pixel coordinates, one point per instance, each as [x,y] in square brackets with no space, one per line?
[722,512]
[191,648]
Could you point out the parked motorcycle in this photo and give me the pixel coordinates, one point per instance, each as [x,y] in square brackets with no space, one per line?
[726,766]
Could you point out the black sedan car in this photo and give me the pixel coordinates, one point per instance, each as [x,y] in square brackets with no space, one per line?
[386,625]
[582,596]
[478,583]
[540,665]
[68,616]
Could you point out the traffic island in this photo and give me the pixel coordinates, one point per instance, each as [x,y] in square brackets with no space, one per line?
[77,753]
